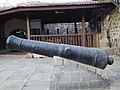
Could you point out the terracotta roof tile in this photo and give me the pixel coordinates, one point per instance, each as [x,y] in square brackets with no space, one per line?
[41,4]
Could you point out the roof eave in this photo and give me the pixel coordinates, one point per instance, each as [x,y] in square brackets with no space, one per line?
[45,8]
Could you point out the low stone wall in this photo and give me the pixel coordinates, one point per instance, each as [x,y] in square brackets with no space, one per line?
[70,75]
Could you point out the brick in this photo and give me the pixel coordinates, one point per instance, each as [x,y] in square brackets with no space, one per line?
[61,77]
[58,60]
[68,86]
[74,86]
[63,86]
[84,85]
[70,68]
[75,77]
[98,84]
[53,85]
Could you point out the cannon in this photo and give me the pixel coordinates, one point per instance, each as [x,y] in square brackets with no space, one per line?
[91,56]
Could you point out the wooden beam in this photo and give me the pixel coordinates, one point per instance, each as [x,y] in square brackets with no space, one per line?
[83,31]
[28,26]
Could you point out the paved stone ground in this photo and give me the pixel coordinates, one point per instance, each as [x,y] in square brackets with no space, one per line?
[21,73]
[113,74]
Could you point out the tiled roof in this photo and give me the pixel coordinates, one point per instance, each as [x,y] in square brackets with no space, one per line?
[41,4]
[4,8]
[51,4]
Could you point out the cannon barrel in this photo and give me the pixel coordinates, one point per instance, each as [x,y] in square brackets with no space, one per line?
[91,56]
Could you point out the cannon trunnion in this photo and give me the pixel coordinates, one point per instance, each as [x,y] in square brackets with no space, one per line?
[91,56]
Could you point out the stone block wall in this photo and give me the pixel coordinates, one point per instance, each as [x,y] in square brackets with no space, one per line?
[71,75]
[111,22]
[63,28]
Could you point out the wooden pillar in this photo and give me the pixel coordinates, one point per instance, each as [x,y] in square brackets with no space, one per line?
[75,24]
[67,31]
[28,27]
[2,36]
[42,27]
[2,30]
[83,31]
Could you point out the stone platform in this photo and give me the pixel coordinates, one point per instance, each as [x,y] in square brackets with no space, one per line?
[21,73]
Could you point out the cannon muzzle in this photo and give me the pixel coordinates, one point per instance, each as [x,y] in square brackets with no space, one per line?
[91,56]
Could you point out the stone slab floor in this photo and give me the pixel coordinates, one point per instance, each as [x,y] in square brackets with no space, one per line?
[21,73]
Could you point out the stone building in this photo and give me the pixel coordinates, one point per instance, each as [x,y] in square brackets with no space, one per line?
[110,35]
[92,23]
[63,28]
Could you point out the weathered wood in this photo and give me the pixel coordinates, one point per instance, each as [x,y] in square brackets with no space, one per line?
[83,31]
[72,39]
[28,26]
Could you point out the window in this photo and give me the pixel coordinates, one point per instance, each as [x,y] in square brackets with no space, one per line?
[35,28]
